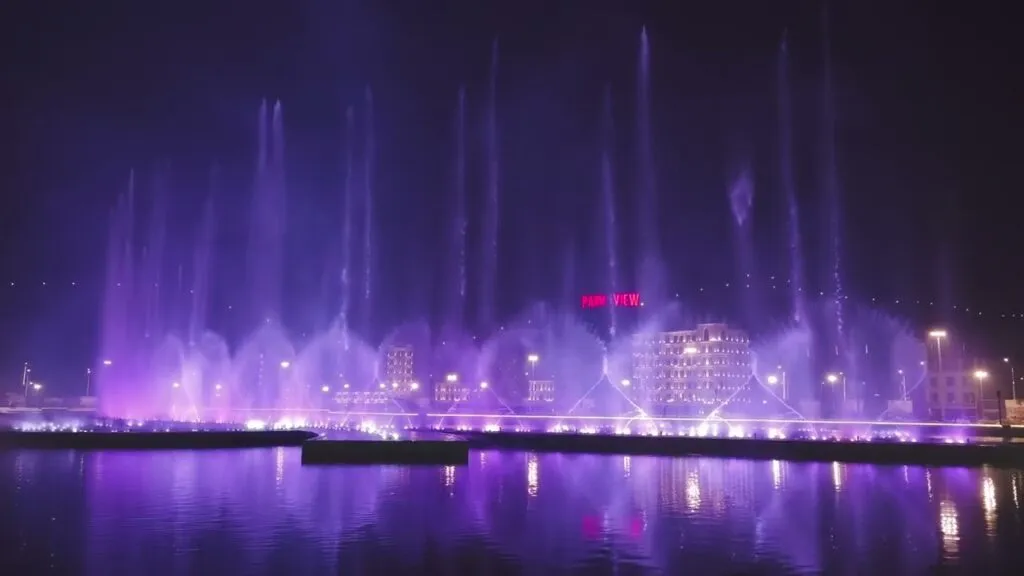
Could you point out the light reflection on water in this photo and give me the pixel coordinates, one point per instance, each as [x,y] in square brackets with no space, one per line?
[261,512]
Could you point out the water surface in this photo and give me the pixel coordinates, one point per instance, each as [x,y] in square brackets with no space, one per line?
[261,512]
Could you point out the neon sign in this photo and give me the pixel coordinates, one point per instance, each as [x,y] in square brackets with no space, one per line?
[618,299]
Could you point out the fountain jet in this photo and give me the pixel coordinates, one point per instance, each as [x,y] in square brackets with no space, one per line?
[608,202]
[489,269]
[796,263]
[368,167]
[346,227]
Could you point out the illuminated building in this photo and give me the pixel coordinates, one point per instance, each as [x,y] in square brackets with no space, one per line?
[451,390]
[540,392]
[690,370]
[398,370]
[958,387]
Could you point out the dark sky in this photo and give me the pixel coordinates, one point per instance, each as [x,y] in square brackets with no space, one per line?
[927,114]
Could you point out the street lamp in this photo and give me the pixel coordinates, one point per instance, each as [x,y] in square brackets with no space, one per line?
[88,380]
[25,371]
[903,384]
[938,336]
[414,386]
[1013,379]
[37,386]
[453,377]
[325,389]
[108,362]
[285,364]
[625,383]
[533,359]
[980,376]
[773,379]
[175,384]
[833,378]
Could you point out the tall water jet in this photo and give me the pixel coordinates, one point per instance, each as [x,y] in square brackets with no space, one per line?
[785,119]
[368,167]
[650,274]
[202,261]
[741,202]
[831,186]
[266,234]
[346,227]
[455,309]
[489,268]
[608,203]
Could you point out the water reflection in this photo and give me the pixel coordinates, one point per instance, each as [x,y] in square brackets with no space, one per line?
[260,511]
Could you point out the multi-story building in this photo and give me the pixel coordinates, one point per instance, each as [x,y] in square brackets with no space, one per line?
[693,370]
[399,376]
[451,390]
[540,392]
[959,386]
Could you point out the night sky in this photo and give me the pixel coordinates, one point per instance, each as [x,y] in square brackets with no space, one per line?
[927,121]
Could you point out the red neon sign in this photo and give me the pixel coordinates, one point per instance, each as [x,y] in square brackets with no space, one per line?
[620,299]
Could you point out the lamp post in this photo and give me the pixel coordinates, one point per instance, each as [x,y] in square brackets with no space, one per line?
[938,336]
[25,371]
[903,384]
[981,376]
[533,359]
[833,378]
[1013,379]
[773,380]
[88,380]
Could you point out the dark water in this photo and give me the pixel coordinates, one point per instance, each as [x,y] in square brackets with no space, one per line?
[261,512]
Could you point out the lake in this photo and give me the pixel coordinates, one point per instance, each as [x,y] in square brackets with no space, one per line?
[261,512]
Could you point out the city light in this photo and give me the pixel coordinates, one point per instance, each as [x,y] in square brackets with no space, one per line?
[937,334]
[980,374]
[37,386]
[831,378]
[451,377]
[325,389]
[773,379]
[533,358]
[625,382]
[690,350]
[414,386]
[217,387]
[175,384]
[107,362]
[285,364]
[483,385]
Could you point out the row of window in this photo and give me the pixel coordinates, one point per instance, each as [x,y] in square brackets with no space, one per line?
[969,399]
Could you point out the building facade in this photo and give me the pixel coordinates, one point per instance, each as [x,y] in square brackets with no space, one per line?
[694,370]
[399,375]
[961,387]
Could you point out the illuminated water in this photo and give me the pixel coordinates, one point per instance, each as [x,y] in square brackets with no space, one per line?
[261,512]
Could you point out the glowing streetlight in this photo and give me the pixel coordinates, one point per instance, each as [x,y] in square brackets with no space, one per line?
[345,386]
[774,379]
[382,386]
[980,376]
[108,362]
[286,364]
[903,384]
[938,336]
[37,386]
[25,371]
[217,387]
[484,385]
[414,386]
[451,377]
[832,378]
[394,385]
[533,359]
[175,384]
[325,389]
[690,350]
[625,383]
[88,380]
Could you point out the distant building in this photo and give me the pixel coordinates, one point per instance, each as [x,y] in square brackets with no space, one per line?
[690,371]
[959,386]
[540,392]
[451,390]
[399,376]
